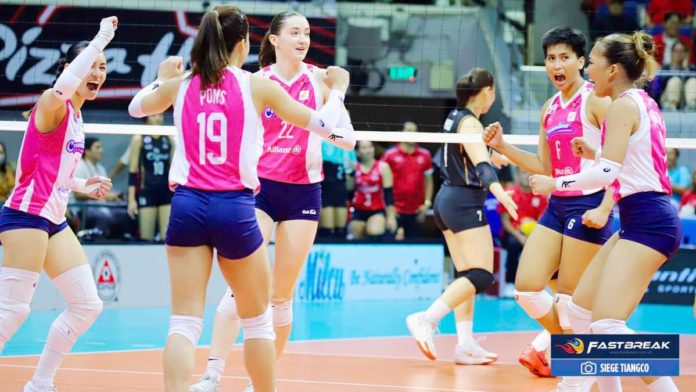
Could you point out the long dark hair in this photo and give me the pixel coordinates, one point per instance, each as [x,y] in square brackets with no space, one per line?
[267,54]
[471,84]
[74,50]
[220,31]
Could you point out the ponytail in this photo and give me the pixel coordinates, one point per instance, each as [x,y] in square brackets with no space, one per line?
[469,85]
[267,54]
[635,53]
[645,47]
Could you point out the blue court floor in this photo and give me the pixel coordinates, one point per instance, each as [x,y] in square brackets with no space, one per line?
[133,329]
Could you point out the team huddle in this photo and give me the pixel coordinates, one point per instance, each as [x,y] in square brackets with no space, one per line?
[600,143]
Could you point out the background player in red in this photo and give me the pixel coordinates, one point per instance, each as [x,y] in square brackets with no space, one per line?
[290,174]
[373,196]
[412,169]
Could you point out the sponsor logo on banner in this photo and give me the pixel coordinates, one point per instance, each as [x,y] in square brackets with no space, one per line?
[107,275]
[675,281]
[342,273]
[615,355]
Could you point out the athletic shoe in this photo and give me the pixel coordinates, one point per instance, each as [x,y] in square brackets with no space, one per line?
[30,387]
[423,332]
[208,383]
[535,361]
[471,353]
[575,384]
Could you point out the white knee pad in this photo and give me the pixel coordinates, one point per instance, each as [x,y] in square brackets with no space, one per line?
[259,327]
[187,326]
[580,318]
[610,327]
[84,305]
[282,314]
[562,301]
[17,288]
[537,304]
[228,306]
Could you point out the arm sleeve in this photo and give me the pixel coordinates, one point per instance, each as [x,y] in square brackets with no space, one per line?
[135,109]
[599,176]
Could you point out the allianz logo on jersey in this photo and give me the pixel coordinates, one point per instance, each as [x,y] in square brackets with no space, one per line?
[296,149]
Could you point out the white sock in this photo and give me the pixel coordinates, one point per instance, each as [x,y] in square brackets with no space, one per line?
[465,331]
[436,312]
[663,384]
[216,366]
[542,341]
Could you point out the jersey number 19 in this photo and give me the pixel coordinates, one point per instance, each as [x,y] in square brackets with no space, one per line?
[206,135]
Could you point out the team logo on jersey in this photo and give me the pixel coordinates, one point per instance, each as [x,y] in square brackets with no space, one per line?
[107,274]
[268,113]
[552,108]
[571,116]
[75,146]
[304,95]
[147,139]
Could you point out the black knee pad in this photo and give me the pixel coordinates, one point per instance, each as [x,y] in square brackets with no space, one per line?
[480,278]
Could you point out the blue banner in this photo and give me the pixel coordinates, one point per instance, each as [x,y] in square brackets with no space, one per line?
[615,355]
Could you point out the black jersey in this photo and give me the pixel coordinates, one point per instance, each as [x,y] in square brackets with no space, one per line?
[155,156]
[456,168]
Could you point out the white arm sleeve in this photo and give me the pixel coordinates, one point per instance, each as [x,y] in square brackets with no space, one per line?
[135,109]
[600,175]
[343,136]
[71,77]
[323,121]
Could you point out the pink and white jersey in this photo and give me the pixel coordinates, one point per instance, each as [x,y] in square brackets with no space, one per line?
[564,121]
[219,134]
[46,165]
[292,154]
[644,168]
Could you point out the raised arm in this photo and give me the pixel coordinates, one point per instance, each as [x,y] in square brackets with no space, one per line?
[159,95]
[50,110]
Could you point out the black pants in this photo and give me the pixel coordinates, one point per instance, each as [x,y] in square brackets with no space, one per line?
[514,249]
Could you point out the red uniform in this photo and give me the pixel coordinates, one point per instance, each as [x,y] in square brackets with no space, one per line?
[369,193]
[688,201]
[409,172]
[529,205]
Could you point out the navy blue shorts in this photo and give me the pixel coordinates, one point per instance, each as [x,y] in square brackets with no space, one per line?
[649,218]
[223,220]
[564,215]
[364,215]
[11,219]
[284,201]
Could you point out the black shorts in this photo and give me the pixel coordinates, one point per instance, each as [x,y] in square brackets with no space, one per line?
[364,215]
[333,194]
[148,197]
[409,222]
[458,208]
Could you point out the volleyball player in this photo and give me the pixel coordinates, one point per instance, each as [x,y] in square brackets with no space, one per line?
[290,174]
[560,242]
[633,160]
[459,213]
[217,110]
[372,207]
[32,222]
[149,196]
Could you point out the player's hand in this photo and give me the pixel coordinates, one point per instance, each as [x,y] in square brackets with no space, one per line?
[98,187]
[132,208]
[338,78]
[582,148]
[542,185]
[107,30]
[392,225]
[170,68]
[596,218]
[493,135]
